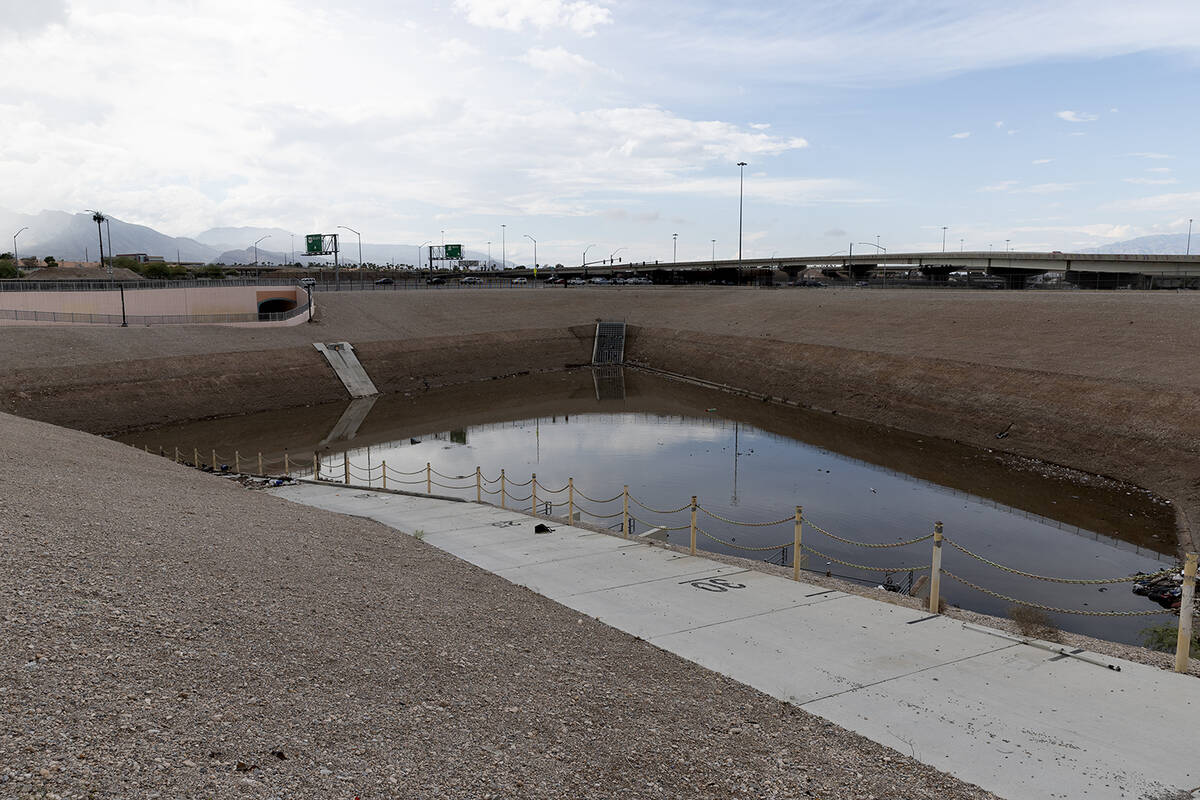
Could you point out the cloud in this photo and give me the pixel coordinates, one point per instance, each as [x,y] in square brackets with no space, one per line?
[24,18]
[1151,181]
[1042,160]
[836,233]
[1158,169]
[558,61]
[962,135]
[1176,201]
[580,16]
[1150,155]
[1002,186]
[999,123]
[1076,116]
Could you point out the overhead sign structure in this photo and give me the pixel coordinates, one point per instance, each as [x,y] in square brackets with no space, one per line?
[454,252]
[321,244]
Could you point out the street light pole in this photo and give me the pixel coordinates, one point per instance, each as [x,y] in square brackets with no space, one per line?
[1189,239]
[741,186]
[589,247]
[944,238]
[1006,248]
[97,218]
[490,255]
[359,235]
[503,258]
[268,236]
[421,247]
[16,260]
[530,238]
[674,247]
[714,253]
[613,254]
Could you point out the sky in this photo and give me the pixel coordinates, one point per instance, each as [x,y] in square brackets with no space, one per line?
[612,125]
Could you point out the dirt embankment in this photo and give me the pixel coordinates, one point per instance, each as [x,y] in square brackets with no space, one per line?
[1094,381]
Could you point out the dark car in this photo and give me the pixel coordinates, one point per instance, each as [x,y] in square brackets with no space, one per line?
[384,282]
[436,281]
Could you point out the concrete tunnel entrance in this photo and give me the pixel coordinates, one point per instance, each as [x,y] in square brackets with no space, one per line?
[275,305]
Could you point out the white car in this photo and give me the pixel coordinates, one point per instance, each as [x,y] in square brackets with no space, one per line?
[308,281]
[519,281]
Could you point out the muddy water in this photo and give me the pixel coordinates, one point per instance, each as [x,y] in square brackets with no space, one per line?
[747,461]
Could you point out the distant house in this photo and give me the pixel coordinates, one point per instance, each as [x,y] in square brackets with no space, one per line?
[142,258]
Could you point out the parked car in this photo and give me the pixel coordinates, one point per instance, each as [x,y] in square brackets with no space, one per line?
[556,280]
[576,282]
[471,280]
[519,281]
[436,281]
[600,281]
[384,282]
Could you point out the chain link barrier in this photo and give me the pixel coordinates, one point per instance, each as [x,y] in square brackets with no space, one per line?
[743,524]
[1075,611]
[1075,581]
[854,543]
[866,567]
[683,507]
[708,535]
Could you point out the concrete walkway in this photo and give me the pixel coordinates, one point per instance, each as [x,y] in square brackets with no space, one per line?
[1017,720]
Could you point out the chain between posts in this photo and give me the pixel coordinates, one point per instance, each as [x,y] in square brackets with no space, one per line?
[1075,611]
[816,552]
[748,549]
[1077,581]
[683,507]
[744,524]
[837,538]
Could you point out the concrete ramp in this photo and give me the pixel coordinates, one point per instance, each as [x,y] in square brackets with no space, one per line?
[340,356]
[352,418]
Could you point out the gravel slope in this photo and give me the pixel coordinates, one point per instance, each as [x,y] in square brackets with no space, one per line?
[171,634]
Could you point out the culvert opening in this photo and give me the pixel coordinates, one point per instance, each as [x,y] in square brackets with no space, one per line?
[276,305]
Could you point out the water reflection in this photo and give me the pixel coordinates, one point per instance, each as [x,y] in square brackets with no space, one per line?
[745,460]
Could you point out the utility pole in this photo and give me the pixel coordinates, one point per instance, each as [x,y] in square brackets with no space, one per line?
[503,233]
[674,247]
[944,238]
[741,186]
[1189,239]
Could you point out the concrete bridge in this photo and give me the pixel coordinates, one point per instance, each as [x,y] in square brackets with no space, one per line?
[1015,268]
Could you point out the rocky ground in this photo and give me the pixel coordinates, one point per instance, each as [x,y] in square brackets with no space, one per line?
[170,634]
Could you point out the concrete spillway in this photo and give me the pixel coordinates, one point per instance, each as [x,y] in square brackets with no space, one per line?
[340,356]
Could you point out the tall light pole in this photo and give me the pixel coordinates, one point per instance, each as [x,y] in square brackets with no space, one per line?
[421,247]
[1006,247]
[503,234]
[589,247]
[359,235]
[612,255]
[16,260]
[97,218]
[961,244]
[293,238]
[741,186]
[268,236]
[1188,252]
[714,253]
[530,238]
[944,238]
[490,265]
[674,247]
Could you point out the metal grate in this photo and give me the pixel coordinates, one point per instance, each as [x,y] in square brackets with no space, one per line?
[610,343]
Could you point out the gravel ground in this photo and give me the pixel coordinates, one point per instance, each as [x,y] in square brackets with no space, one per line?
[169,634]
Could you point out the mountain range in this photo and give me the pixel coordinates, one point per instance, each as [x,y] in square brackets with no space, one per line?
[73,237]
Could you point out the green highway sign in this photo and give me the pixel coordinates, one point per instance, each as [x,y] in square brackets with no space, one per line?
[314,244]
[453,251]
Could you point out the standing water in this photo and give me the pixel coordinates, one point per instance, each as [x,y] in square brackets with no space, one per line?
[745,461]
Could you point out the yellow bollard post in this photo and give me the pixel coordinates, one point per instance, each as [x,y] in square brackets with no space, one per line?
[176,455]
[195,458]
[935,571]
[1183,644]
[383,470]
[237,462]
[693,528]
[214,460]
[428,478]
[287,468]
[146,447]
[570,501]
[260,464]
[796,543]
[625,512]
[478,486]
[346,467]
[503,499]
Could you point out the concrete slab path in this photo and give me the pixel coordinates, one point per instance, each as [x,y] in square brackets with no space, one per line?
[1017,720]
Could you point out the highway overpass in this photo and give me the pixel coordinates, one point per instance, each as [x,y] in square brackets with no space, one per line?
[1014,267]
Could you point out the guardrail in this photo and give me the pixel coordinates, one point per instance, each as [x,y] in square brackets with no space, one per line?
[161,319]
[11,285]
[499,490]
